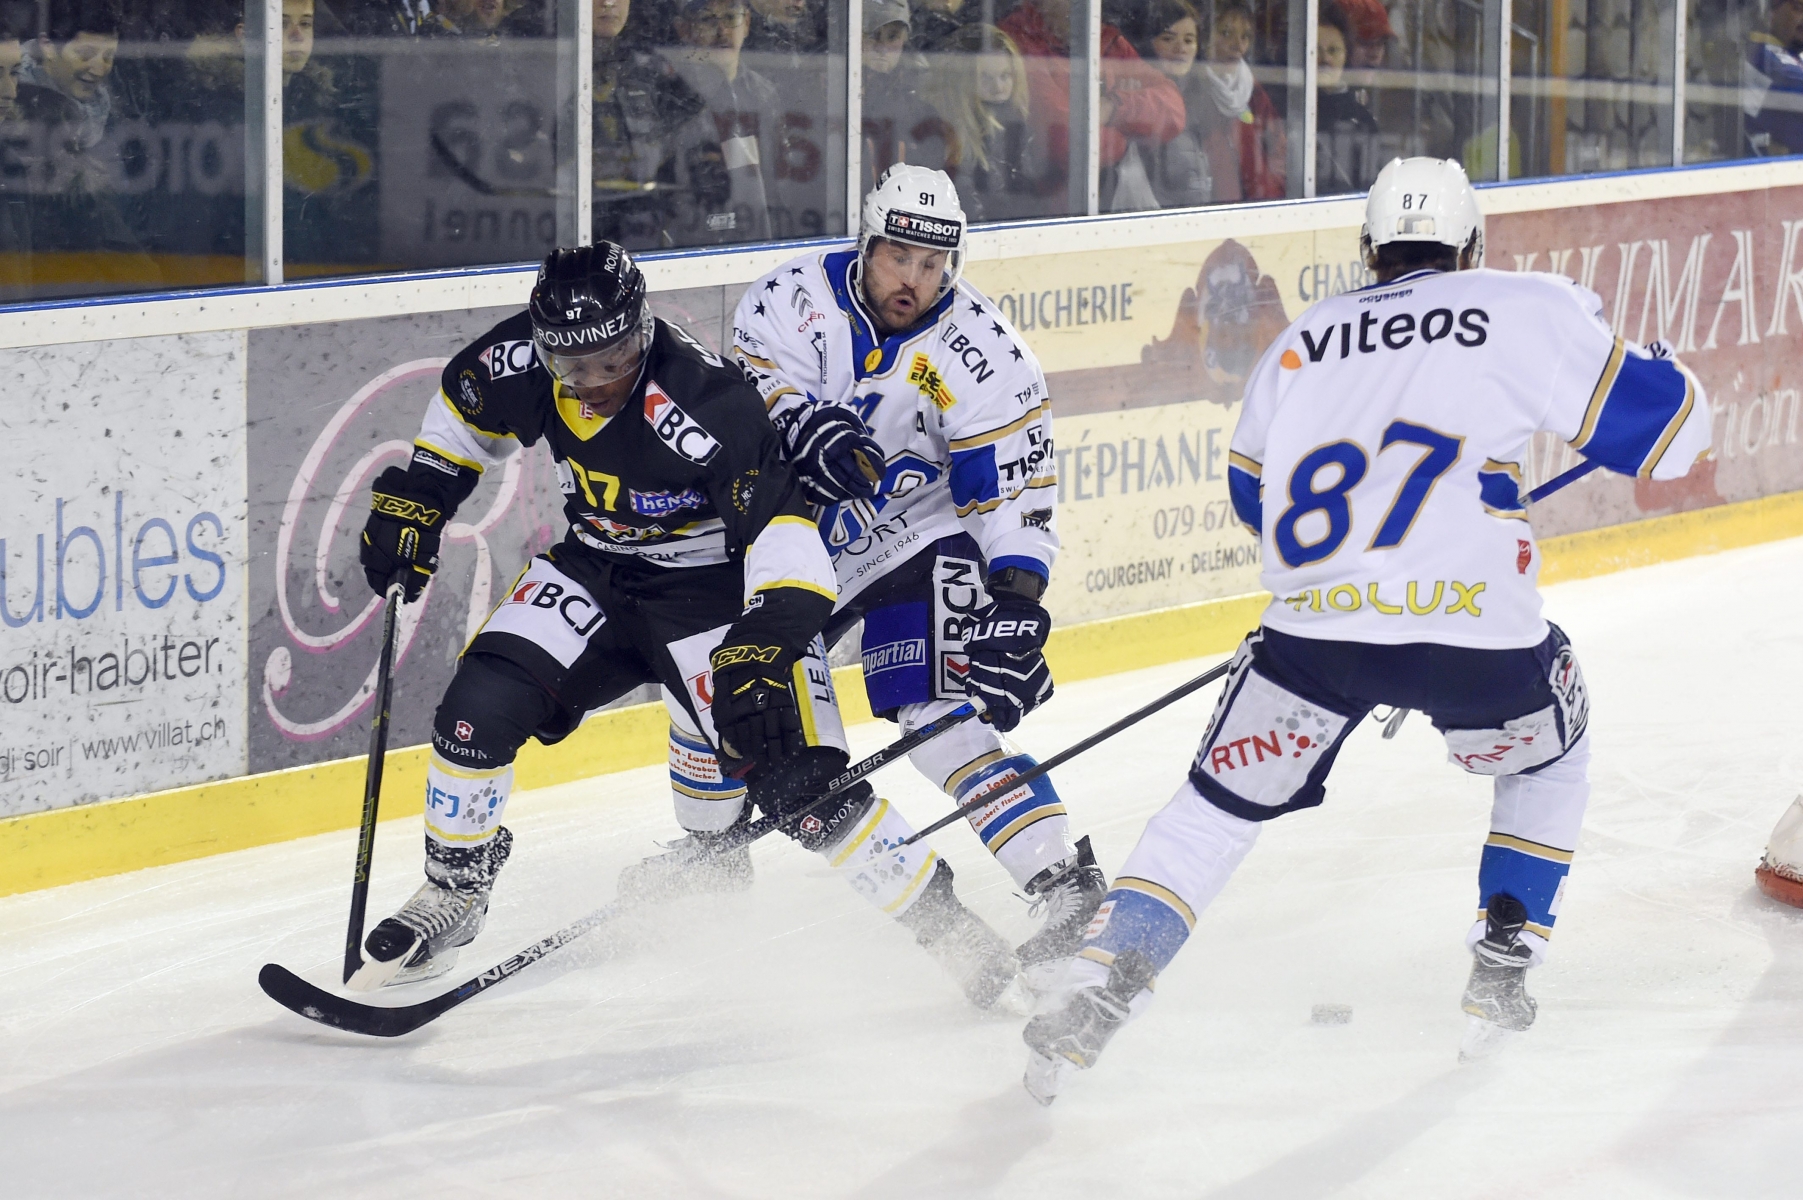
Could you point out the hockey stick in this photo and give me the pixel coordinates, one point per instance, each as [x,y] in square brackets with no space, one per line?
[372,788]
[1562,480]
[1057,760]
[316,1004]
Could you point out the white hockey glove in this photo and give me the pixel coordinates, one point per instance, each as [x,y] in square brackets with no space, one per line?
[835,456]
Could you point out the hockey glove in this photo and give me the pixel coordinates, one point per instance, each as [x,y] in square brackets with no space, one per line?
[835,456]
[754,710]
[1008,672]
[400,540]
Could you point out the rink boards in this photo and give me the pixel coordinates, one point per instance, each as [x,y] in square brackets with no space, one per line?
[185,625]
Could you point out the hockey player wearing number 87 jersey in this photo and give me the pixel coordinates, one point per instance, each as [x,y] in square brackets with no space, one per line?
[1378,457]
[918,418]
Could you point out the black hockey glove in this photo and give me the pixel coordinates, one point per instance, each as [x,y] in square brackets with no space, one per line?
[754,710]
[835,456]
[400,540]
[1008,672]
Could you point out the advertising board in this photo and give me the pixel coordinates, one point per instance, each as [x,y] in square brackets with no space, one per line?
[122,550]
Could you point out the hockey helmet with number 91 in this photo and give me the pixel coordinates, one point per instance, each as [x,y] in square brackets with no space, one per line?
[1423,200]
[590,323]
[916,206]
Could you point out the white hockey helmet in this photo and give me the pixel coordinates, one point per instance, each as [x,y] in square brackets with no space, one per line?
[1423,200]
[919,206]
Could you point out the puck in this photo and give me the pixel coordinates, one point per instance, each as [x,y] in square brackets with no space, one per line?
[1330,1014]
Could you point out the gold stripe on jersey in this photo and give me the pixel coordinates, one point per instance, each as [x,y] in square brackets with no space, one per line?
[754,360]
[1044,481]
[461,461]
[1512,470]
[964,510]
[925,873]
[1599,394]
[829,593]
[957,777]
[1236,459]
[778,394]
[458,413]
[1671,429]
[996,435]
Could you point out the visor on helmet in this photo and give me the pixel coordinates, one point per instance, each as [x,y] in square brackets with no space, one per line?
[604,366]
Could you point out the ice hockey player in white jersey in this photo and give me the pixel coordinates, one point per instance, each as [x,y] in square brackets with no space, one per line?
[1378,457]
[917,417]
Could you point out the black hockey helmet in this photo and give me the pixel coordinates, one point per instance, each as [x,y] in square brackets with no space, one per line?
[590,322]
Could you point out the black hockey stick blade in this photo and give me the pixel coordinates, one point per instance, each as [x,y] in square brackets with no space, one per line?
[316,1004]
[340,1012]
[1057,760]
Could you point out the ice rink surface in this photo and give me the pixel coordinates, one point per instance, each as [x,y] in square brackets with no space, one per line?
[791,1042]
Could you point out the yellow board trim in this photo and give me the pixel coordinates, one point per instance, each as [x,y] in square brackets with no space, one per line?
[89,841]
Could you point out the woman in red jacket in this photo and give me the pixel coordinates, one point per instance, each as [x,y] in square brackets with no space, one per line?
[1137,101]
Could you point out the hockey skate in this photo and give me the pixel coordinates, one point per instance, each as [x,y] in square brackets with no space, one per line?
[1068,894]
[421,940]
[1073,1037]
[971,952]
[1496,995]
[691,865]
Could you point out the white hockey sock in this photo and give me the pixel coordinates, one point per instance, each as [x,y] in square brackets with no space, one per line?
[1025,828]
[891,881]
[464,806]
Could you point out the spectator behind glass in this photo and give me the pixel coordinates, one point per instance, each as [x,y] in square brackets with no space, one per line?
[787,26]
[897,117]
[1170,37]
[937,23]
[1241,130]
[717,156]
[1772,86]
[74,59]
[493,18]
[978,86]
[1345,130]
[639,103]
[1137,101]
[15,152]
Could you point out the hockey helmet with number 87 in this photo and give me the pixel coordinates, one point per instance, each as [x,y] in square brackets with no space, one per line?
[590,323]
[1423,200]
[916,206]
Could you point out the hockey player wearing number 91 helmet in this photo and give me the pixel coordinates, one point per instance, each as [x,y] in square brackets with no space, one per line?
[1378,458]
[918,420]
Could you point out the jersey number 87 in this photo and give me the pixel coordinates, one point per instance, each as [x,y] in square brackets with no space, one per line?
[1440,452]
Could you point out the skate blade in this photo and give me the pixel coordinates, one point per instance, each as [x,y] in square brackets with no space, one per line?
[375,973]
[1015,1000]
[1483,1039]
[1045,1077]
[1048,985]
[432,968]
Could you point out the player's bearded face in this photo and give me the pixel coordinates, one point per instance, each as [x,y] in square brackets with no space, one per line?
[901,281]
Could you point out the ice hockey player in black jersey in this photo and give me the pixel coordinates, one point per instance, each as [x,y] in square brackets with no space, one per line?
[691,560]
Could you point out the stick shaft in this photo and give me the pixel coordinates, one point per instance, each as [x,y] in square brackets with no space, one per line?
[1057,760]
[372,788]
[1564,479]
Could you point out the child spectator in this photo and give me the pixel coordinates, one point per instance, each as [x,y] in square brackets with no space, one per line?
[1242,131]
[895,112]
[1345,130]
